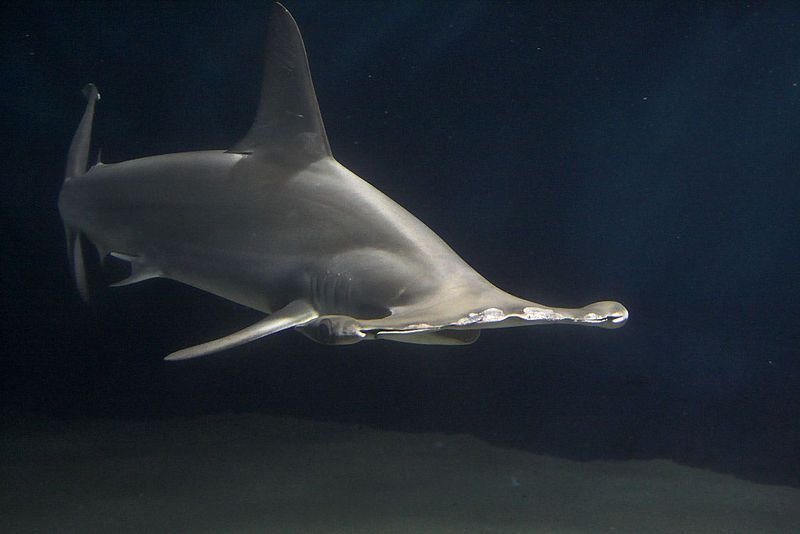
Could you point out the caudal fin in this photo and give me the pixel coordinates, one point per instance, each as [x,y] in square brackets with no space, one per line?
[76,166]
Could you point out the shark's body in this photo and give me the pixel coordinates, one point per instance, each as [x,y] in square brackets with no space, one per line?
[277,224]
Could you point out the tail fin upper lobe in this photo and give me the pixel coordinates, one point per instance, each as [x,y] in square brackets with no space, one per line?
[79,149]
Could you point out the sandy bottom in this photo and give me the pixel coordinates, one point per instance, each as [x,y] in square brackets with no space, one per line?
[253,473]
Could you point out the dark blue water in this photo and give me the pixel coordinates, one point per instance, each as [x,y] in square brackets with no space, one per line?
[570,152]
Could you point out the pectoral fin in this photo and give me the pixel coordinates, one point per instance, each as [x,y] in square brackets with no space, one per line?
[295,313]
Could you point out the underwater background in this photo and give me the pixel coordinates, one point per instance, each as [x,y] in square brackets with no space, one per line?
[569,151]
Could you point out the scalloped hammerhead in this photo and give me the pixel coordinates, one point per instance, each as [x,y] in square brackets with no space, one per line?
[275,223]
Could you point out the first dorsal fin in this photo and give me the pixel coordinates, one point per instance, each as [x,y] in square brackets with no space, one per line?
[288,118]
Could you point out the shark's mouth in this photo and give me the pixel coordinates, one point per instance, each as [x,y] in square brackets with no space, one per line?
[430,336]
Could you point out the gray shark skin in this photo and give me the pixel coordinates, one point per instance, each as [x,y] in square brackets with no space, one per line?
[277,224]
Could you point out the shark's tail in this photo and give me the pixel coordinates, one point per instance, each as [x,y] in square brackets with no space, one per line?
[77,159]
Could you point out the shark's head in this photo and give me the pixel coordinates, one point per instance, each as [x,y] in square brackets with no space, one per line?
[604,314]
[440,323]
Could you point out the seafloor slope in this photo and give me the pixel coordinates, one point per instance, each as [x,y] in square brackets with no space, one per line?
[253,473]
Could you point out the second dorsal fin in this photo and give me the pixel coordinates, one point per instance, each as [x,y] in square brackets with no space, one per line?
[288,117]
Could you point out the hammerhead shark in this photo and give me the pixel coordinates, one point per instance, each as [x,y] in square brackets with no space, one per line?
[275,223]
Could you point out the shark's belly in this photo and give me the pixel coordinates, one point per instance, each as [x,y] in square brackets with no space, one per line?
[259,241]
